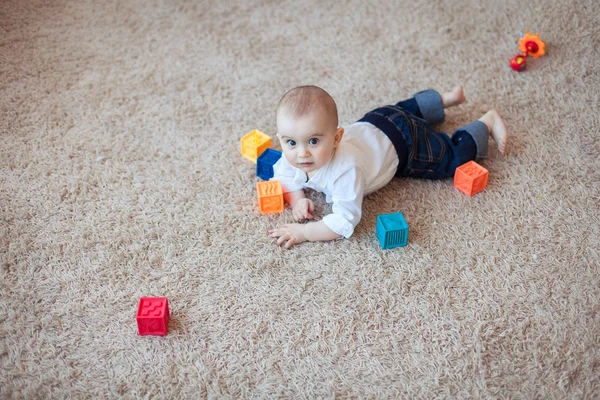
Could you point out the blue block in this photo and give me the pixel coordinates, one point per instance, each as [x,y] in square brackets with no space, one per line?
[392,230]
[265,162]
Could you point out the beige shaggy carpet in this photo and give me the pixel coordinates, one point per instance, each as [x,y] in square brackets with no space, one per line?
[121,177]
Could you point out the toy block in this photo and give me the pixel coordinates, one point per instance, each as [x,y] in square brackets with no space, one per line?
[270,197]
[392,230]
[470,178]
[254,143]
[265,162]
[153,316]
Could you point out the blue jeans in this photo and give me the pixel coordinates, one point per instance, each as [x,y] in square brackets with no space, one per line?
[424,152]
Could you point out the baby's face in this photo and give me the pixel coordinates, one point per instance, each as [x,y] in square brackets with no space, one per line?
[308,142]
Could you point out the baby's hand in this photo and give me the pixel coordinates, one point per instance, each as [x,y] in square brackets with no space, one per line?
[290,233]
[303,209]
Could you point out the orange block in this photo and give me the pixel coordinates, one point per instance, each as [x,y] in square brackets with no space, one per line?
[254,143]
[270,197]
[470,178]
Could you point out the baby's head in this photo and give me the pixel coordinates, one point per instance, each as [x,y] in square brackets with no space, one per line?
[307,127]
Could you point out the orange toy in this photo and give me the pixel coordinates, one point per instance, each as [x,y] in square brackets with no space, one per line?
[530,45]
[270,197]
[254,143]
[470,178]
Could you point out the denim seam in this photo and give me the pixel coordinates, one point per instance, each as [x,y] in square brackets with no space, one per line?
[419,169]
[418,156]
[413,148]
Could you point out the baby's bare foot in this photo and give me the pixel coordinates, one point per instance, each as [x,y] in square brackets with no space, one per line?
[453,98]
[495,124]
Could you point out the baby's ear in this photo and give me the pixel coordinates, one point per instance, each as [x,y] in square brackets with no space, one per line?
[339,133]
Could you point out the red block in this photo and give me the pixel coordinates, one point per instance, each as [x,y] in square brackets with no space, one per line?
[153,316]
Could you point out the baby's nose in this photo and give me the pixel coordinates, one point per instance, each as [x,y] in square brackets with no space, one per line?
[304,152]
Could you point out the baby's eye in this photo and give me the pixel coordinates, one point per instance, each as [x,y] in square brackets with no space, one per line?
[313,141]
[291,143]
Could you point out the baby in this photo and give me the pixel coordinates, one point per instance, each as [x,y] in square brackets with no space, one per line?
[349,163]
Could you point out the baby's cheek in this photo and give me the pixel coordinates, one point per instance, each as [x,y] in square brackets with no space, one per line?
[289,155]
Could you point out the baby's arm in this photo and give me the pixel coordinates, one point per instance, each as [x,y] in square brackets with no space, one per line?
[347,209]
[293,234]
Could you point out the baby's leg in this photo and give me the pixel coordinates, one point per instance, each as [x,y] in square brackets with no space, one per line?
[454,98]
[429,104]
[498,131]
[490,124]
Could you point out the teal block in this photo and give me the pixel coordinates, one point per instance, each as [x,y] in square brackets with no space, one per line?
[392,230]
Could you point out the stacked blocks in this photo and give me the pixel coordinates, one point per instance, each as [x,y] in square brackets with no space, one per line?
[153,316]
[265,162]
[471,178]
[254,143]
[270,197]
[392,230]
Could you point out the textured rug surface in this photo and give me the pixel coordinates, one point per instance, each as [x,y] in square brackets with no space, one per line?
[121,177]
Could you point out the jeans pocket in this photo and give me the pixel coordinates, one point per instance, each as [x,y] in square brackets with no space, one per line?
[428,146]
[428,153]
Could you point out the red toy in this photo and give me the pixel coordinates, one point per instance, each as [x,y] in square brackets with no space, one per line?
[518,62]
[530,45]
[153,316]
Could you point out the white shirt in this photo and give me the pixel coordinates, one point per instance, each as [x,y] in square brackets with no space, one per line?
[364,162]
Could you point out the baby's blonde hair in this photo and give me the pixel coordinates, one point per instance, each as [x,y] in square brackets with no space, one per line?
[302,100]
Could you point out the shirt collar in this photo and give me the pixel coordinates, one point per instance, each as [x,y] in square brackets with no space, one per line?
[301,176]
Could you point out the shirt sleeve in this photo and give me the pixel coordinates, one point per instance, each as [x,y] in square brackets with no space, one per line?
[285,173]
[347,197]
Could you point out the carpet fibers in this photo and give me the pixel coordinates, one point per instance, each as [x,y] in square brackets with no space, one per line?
[121,177]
